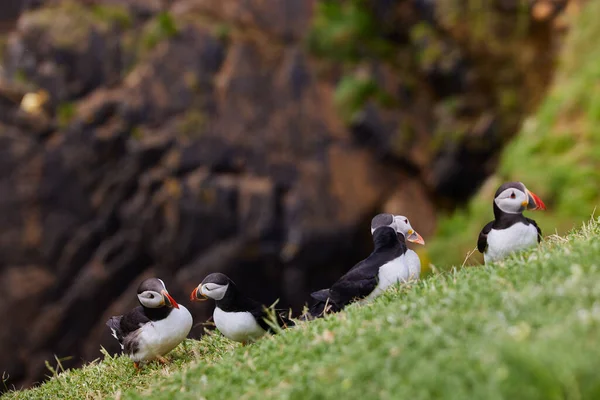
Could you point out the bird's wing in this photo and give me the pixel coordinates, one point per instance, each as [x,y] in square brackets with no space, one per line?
[133,320]
[536,227]
[358,265]
[357,283]
[325,297]
[482,240]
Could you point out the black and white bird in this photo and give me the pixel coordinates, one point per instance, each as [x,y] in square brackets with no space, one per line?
[236,316]
[153,329]
[390,262]
[510,231]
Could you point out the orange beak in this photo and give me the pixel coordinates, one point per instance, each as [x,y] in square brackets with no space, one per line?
[194,296]
[535,203]
[414,237]
[171,300]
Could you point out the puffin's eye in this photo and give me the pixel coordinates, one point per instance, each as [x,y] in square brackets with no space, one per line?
[405,221]
[512,195]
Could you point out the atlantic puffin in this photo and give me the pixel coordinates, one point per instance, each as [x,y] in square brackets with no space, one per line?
[153,329]
[236,316]
[510,231]
[390,262]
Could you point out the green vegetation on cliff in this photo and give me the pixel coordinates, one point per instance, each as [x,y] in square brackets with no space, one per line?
[523,328]
[556,153]
[70,24]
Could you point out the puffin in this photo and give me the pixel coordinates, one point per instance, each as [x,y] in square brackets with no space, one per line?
[510,231]
[390,262]
[154,328]
[236,316]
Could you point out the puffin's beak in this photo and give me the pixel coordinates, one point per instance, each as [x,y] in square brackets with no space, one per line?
[414,237]
[171,300]
[194,296]
[534,202]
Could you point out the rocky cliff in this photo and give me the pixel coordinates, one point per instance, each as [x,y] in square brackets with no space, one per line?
[256,138]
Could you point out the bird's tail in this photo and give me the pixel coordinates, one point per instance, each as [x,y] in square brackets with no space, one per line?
[114,323]
[323,304]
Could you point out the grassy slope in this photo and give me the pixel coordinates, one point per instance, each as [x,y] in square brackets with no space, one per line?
[525,328]
[556,154]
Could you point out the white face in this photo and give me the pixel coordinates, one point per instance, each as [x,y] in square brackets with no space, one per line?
[151,299]
[512,201]
[214,291]
[403,226]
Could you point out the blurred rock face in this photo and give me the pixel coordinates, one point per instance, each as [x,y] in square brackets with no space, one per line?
[180,138]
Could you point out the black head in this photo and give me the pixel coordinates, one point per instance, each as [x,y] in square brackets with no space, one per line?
[510,185]
[214,286]
[381,220]
[153,284]
[152,293]
[216,278]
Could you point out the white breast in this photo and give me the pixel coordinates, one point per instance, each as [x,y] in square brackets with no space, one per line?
[237,326]
[502,242]
[157,338]
[405,268]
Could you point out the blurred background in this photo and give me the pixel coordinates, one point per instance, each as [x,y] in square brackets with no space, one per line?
[258,138]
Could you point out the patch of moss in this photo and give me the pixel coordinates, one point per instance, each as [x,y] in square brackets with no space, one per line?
[65,113]
[222,31]
[130,49]
[138,43]
[484,21]
[403,138]
[508,99]
[192,123]
[339,26]
[20,77]
[136,133]
[353,92]
[118,15]
[191,81]
[69,24]
[160,28]
[3,44]
[429,47]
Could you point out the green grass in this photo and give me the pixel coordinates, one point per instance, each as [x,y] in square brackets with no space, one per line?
[556,153]
[524,328]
